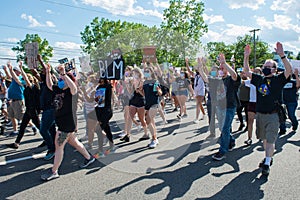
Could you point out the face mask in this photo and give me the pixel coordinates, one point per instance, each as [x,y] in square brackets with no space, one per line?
[136,77]
[221,73]
[127,74]
[147,75]
[266,71]
[182,75]
[213,73]
[61,84]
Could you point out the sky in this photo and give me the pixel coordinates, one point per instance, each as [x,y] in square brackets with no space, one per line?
[60,22]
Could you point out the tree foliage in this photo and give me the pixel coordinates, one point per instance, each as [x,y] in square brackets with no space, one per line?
[44,49]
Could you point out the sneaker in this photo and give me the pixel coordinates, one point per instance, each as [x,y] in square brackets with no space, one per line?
[34,129]
[212,135]
[218,156]
[49,175]
[295,127]
[231,146]
[261,164]
[281,132]
[12,145]
[13,134]
[110,150]
[248,142]
[49,155]
[145,137]
[153,144]
[184,115]
[175,109]
[179,116]
[126,138]
[99,155]
[196,121]
[265,170]
[87,162]
[121,135]
[165,122]
[2,130]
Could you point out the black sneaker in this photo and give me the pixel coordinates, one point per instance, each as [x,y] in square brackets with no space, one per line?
[281,132]
[261,164]
[2,130]
[34,129]
[175,109]
[218,156]
[231,146]
[87,162]
[241,127]
[126,138]
[248,142]
[179,116]
[265,170]
[12,145]
[295,127]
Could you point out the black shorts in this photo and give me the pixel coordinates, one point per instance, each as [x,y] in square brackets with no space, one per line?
[66,123]
[251,107]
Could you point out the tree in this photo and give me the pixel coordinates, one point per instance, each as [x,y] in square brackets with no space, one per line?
[44,49]
[298,56]
[184,17]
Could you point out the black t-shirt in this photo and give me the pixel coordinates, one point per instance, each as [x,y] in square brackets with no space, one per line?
[32,97]
[46,97]
[290,92]
[63,102]
[268,90]
[151,96]
[231,88]
[103,93]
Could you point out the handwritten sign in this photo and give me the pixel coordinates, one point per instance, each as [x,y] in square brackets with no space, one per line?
[31,50]
[85,63]
[149,54]
[112,68]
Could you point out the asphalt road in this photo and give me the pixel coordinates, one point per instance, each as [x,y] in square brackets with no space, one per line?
[180,167]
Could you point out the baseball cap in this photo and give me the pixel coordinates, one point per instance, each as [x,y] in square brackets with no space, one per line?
[16,68]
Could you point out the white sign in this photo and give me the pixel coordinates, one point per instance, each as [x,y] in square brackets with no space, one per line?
[32,50]
[295,64]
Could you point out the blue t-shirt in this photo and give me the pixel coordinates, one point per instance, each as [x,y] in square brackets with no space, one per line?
[15,91]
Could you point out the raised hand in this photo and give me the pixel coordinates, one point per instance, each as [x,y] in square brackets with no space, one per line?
[279,49]
[222,58]
[247,50]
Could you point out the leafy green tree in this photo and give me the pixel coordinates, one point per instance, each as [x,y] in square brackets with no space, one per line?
[44,49]
[298,56]
[184,20]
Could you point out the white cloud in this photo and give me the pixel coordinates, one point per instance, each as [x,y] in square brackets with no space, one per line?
[34,23]
[49,11]
[236,4]
[14,40]
[160,4]
[213,18]
[125,7]
[281,22]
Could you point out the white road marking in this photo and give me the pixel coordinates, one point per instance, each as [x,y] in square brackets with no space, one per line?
[35,156]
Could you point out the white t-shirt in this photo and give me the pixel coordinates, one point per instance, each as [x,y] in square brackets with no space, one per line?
[199,86]
[252,90]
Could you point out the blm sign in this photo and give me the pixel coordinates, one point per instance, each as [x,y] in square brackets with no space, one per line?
[113,67]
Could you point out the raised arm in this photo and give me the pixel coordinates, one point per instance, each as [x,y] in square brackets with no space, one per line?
[24,75]
[48,77]
[188,67]
[8,75]
[201,70]
[246,68]
[296,73]
[231,71]
[286,63]
[13,74]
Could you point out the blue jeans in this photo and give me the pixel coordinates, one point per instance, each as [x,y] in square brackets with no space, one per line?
[291,110]
[47,129]
[226,137]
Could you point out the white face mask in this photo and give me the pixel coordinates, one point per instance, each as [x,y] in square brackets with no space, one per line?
[221,73]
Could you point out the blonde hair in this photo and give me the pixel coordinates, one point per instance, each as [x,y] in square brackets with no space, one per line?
[139,72]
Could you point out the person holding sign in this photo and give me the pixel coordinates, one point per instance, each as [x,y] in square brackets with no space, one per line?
[65,102]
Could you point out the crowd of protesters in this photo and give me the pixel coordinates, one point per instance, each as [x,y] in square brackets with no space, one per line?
[142,94]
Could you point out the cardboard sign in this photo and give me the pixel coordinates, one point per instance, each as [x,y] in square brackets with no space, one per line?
[149,54]
[85,63]
[31,50]
[112,68]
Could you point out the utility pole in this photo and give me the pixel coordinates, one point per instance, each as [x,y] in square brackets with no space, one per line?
[254,40]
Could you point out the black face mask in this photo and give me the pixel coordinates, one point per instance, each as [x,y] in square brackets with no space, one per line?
[43,77]
[266,71]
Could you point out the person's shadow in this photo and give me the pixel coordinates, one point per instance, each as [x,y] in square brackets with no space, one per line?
[245,186]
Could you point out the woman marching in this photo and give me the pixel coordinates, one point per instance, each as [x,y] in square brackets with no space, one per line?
[152,91]
[65,98]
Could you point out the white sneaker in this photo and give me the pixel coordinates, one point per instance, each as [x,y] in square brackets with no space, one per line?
[153,144]
[122,135]
[196,121]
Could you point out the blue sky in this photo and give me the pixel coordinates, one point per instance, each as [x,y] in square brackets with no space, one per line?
[61,22]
